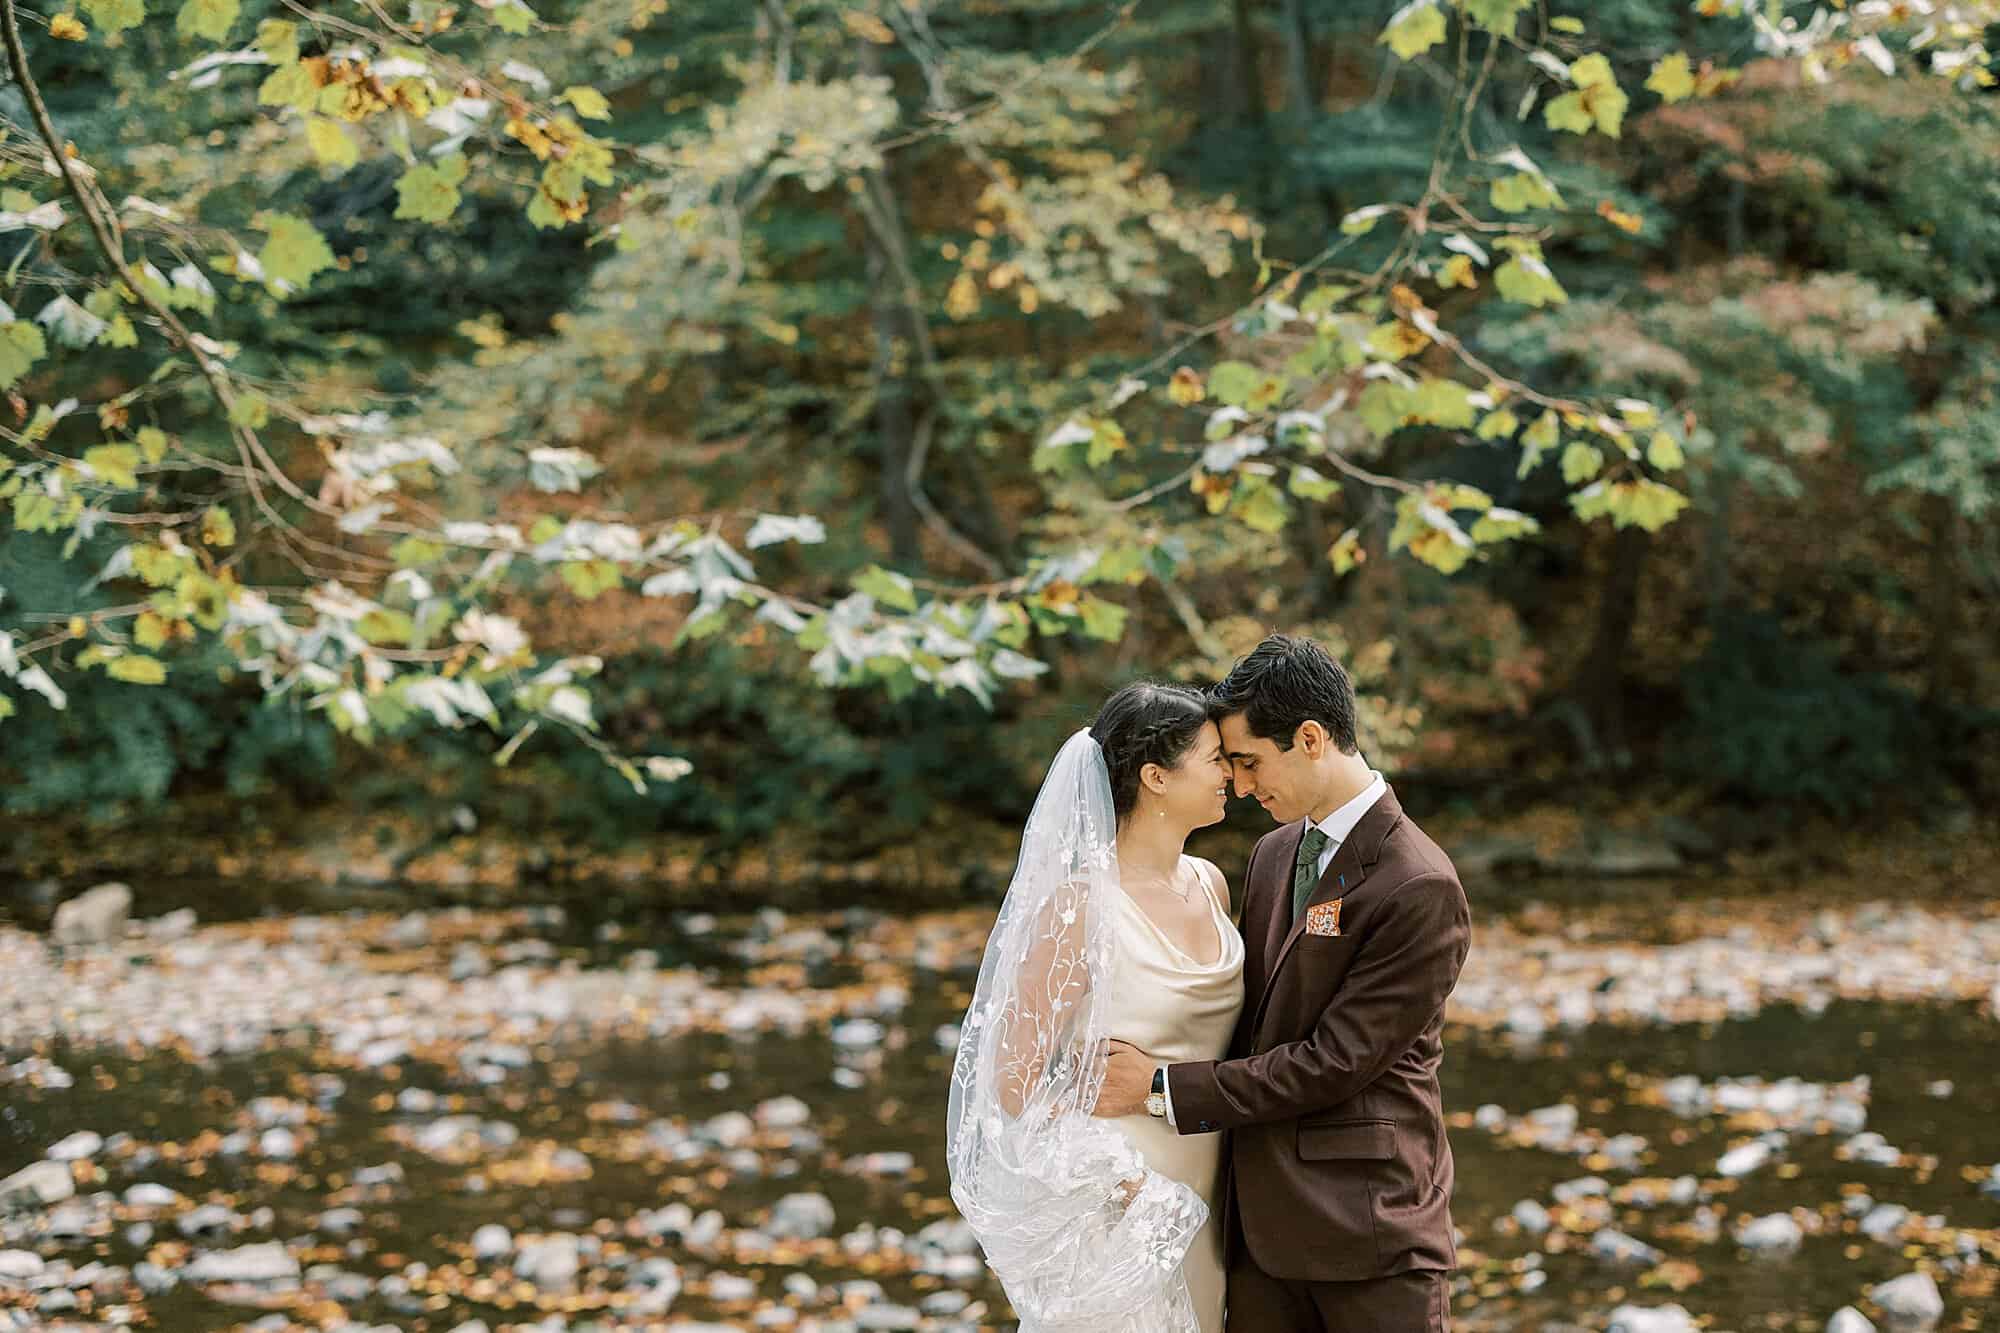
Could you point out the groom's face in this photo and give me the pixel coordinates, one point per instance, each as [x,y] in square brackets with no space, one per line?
[1278,780]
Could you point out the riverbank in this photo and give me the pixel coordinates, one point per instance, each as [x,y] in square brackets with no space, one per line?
[1546,850]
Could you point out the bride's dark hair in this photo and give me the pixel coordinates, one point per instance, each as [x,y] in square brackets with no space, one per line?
[1146,723]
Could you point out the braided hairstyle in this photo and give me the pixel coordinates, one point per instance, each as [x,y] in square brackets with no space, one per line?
[1146,723]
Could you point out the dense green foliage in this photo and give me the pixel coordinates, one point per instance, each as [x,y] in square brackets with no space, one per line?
[916,337]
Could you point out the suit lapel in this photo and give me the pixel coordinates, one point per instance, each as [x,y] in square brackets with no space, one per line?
[1279,921]
[1350,865]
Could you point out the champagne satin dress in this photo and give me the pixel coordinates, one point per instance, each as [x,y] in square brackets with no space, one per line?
[1177,1008]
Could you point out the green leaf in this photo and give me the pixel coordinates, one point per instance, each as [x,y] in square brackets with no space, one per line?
[1526,279]
[416,552]
[278,39]
[1259,506]
[120,333]
[113,463]
[589,103]
[383,625]
[1663,451]
[330,142]
[1581,462]
[21,345]
[152,443]
[250,409]
[1383,406]
[1522,191]
[1445,403]
[514,17]
[887,587]
[289,85]
[294,251]
[1101,619]
[1496,15]
[36,512]
[429,192]
[1499,525]
[1234,383]
[588,578]
[207,18]
[1414,29]
[115,15]
[1641,504]
[6,708]
[1568,113]
[1310,485]
[1574,27]
[136,669]
[1537,440]
[1498,424]
[218,527]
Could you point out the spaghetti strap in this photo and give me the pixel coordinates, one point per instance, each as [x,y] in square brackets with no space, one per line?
[1201,873]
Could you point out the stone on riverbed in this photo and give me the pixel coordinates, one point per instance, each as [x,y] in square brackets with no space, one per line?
[1656,1319]
[1774,1235]
[259,1265]
[19,1265]
[95,916]
[36,1186]
[551,1262]
[802,1217]
[491,1241]
[1741,1161]
[1883,1221]
[1847,1319]
[1910,1303]
[1615,1247]
[78,1146]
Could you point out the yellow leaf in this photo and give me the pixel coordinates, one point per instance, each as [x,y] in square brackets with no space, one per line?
[136,669]
[1347,554]
[218,528]
[589,102]
[1414,30]
[1396,340]
[66,27]
[962,300]
[1185,388]
[1672,78]
[1626,222]
[330,143]
[1458,272]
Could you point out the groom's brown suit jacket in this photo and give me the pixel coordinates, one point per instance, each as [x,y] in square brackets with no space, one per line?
[1337,1168]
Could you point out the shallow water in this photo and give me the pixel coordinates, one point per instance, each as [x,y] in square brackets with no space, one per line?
[568,1098]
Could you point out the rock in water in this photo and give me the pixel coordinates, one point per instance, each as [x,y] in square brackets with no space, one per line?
[802,1217]
[1659,1319]
[35,1186]
[264,1264]
[1847,1319]
[95,916]
[1910,1303]
[1774,1235]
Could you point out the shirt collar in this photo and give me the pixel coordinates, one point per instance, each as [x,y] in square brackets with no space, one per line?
[1338,825]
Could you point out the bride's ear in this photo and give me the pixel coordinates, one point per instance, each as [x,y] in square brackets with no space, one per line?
[1154,779]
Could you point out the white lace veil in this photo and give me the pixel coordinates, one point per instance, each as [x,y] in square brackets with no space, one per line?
[1082,1234]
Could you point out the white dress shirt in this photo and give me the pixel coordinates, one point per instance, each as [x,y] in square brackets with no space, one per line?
[1338,827]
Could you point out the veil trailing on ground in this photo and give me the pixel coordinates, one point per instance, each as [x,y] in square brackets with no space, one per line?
[1082,1234]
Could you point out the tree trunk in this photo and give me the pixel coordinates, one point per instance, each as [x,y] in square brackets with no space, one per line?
[1944,602]
[1600,683]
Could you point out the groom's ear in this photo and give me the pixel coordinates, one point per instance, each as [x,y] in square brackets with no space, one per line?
[1310,737]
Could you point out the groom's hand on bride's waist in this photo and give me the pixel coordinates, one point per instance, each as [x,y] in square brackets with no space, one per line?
[1128,1077]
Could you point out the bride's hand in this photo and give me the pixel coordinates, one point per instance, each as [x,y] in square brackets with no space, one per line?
[1128,1077]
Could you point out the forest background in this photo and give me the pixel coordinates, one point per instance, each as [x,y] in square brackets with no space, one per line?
[915,305]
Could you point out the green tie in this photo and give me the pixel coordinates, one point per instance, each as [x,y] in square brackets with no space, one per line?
[1305,873]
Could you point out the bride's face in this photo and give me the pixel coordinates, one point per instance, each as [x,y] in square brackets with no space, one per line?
[1195,791]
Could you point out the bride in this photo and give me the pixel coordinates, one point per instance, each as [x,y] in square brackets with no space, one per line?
[1109,932]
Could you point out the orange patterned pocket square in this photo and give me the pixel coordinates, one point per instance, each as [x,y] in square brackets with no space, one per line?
[1324,919]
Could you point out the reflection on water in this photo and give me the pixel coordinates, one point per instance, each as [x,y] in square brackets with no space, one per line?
[888,1098]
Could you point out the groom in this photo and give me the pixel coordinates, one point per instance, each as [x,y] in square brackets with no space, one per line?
[1336,1187]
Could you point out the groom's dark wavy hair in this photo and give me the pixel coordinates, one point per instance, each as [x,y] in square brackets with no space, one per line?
[1145,723]
[1282,683]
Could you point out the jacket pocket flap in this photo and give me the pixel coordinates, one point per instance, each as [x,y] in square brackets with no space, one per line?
[1370,1140]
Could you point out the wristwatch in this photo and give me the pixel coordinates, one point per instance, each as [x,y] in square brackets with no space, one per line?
[1156,1100]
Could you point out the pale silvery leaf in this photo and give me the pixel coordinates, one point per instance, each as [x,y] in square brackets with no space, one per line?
[1310,422]
[671,583]
[227,351]
[572,705]
[400,67]
[1224,455]
[770,529]
[781,615]
[1871,49]
[6,313]
[522,72]
[665,768]
[411,584]
[969,676]
[1550,65]
[213,63]
[1014,666]
[10,664]
[501,636]
[36,679]
[350,705]
[429,693]
[1226,416]
[1468,247]
[1444,523]
[1070,432]
[553,470]
[191,279]
[569,669]
[72,325]
[357,521]
[42,217]
[1127,389]
[137,204]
